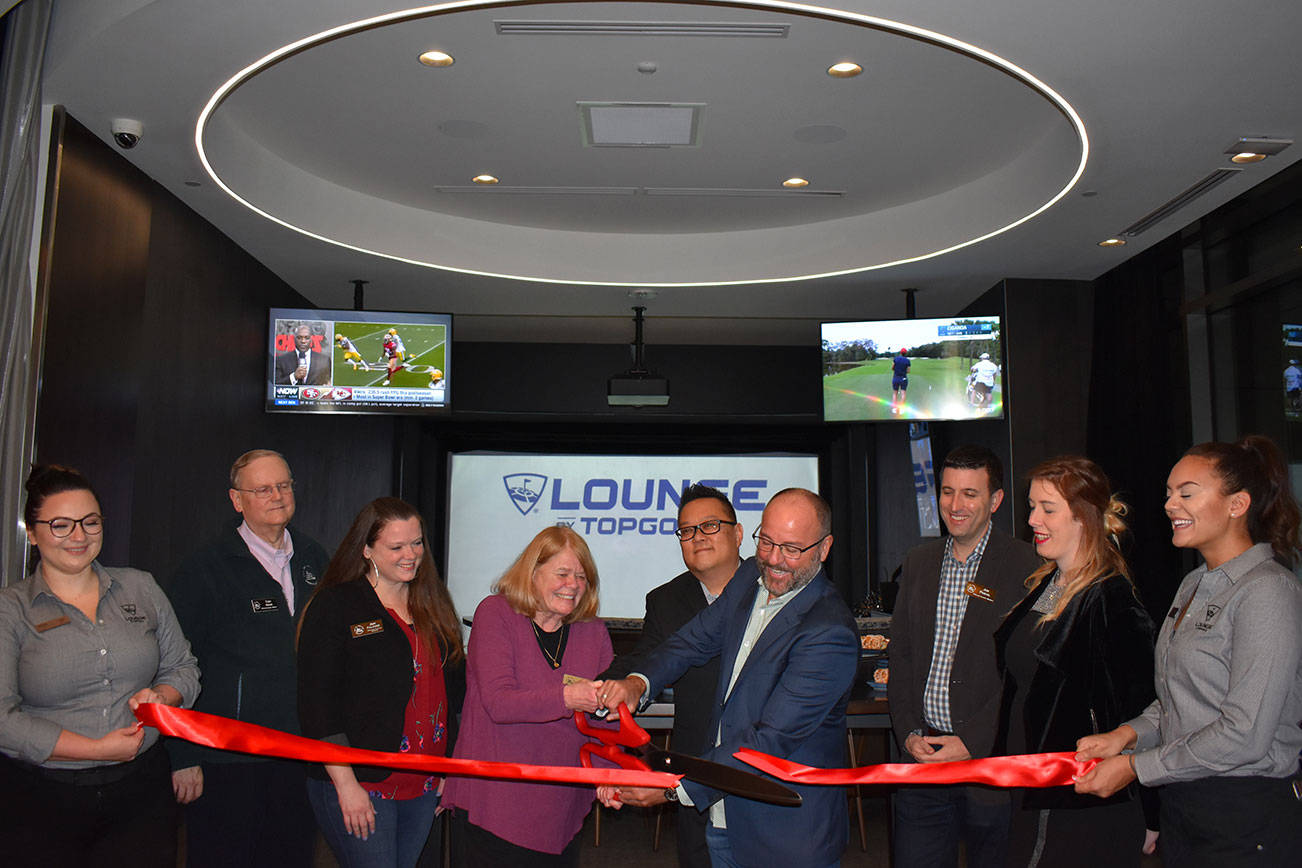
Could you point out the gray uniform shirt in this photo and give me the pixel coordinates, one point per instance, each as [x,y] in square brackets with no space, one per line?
[60,670]
[1229,681]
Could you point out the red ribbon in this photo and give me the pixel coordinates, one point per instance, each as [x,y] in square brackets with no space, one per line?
[1024,770]
[222,733]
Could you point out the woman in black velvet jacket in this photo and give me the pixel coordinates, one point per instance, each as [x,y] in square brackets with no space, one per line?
[1077,658]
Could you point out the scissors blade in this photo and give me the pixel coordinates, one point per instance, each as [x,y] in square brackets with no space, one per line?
[721,777]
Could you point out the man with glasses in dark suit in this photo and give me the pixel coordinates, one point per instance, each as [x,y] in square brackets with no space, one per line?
[710,536]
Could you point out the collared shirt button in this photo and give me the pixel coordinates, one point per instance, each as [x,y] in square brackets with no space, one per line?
[105,712]
[103,651]
[106,681]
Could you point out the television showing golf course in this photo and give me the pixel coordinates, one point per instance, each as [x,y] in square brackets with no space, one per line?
[915,369]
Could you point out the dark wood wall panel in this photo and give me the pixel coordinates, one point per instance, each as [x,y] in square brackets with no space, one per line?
[152,381]
[94,344]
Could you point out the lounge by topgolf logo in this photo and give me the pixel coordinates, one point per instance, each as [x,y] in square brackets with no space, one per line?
[525,490]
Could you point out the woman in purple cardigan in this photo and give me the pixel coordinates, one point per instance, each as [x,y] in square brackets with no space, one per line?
[537,629]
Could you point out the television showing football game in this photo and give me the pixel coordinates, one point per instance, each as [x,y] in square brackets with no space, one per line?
[913,369]
[355,361]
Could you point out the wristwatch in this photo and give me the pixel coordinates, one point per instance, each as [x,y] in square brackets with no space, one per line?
[671,794]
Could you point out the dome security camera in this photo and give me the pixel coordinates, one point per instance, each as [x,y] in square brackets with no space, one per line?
[127,133]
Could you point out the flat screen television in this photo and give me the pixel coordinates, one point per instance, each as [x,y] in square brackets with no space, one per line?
[1292,371]
[355,361]
[913,369]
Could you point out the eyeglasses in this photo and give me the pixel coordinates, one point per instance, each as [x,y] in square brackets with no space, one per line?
[262,492]
[61,527]
[706,527]
[790,551]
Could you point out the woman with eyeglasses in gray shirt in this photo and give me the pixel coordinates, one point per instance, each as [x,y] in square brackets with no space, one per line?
[81,646]
[1223,736]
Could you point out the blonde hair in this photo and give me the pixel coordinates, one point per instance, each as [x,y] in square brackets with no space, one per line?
[516,584]
[1101,514]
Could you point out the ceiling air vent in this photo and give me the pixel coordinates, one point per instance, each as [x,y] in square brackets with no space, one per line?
[723,192]
[1156,216]
[640,124]
[642,28]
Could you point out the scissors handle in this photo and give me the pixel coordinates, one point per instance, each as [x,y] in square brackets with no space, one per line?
[614,754]
[629,733]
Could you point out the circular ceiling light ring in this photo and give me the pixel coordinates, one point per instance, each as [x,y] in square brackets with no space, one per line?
[895,27]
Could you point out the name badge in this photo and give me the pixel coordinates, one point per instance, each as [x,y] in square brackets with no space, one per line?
[267,604]
[366,628]
[52,623]
[979,592]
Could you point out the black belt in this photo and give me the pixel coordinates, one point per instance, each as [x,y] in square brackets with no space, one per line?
[931,731]
[98,776]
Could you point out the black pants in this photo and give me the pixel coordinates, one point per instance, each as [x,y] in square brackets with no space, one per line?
[251,814]
[474,847]
[692,851]
[113,816]
[1225,822]
[931,820]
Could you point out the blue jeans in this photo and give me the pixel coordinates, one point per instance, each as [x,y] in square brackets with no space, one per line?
[721,850]
[401,827]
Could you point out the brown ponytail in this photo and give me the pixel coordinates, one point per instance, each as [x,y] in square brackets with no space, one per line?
[1255,464]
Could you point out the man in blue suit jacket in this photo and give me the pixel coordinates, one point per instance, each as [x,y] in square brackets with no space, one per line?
[789,650]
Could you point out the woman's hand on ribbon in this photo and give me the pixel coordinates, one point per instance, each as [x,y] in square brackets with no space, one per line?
[1105,744]
[583,696]
[1110,776]
[609,796]
[164,694]
[120,745]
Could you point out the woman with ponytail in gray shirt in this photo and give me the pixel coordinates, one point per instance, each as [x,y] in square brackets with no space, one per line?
[1223,736]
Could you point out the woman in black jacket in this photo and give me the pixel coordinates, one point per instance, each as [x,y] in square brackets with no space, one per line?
[380,666]
[1077,658]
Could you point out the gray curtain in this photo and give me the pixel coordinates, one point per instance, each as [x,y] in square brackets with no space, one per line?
[23,51]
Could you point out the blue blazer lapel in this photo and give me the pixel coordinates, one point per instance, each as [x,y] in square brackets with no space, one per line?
[783,622]
[736,630]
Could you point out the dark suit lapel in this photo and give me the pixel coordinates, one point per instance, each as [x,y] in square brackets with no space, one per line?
[979,620]
[924,610]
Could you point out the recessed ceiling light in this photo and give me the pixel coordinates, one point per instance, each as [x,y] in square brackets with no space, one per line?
[844,69]
[1112,242]
[484,179]
[437,58]
[1254,149]
[795,182]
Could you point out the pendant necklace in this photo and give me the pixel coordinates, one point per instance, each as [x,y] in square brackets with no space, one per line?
[555,654]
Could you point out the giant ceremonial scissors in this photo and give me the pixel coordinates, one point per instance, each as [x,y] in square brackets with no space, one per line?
[611,744]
